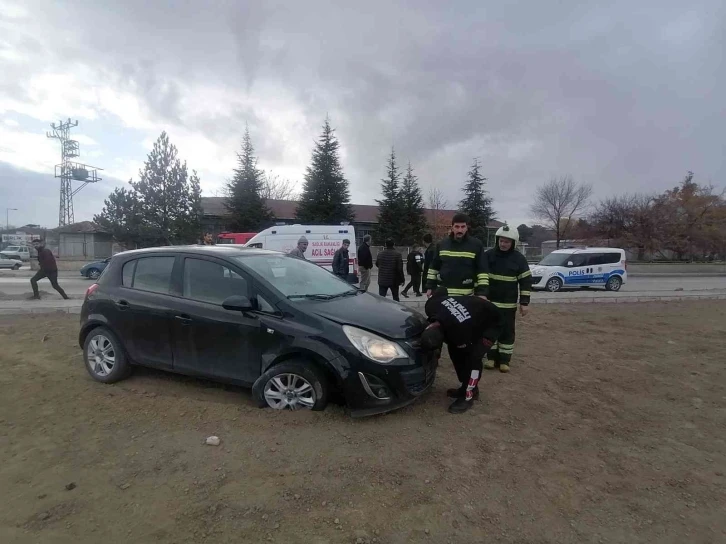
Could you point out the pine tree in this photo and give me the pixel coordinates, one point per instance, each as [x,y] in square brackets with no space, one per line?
[413,213]
[477,203]
[326,197]
[248,212]
[170,202]
[390,207]
[163,208]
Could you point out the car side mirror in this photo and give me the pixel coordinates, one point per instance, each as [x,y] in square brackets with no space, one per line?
[237,303]
[570,263]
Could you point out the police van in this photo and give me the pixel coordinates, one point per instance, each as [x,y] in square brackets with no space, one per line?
[577,268]
[323,242]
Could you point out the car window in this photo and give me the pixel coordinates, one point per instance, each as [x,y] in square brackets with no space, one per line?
[128,273]
[556,259]
[264,306]
[208,281]
[153,274]
[578,259]
[596,259]
[295,277]
[612,258]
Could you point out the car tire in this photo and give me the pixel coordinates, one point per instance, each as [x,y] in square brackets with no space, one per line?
[614,284]
[554,284]
[93,274]
[295,384]
[16,267]
[105,357]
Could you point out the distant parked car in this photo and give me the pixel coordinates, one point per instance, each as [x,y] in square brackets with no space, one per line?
[93,270]
[7,262]
[20,253]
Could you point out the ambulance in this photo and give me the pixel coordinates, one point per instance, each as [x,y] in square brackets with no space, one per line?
[323,242]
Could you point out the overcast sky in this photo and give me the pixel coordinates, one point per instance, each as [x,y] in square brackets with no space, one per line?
[624,95]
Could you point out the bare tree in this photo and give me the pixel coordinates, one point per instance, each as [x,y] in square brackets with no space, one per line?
[276,188]
[558,201]
[437,204]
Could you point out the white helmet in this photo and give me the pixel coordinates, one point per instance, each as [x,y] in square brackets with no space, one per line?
[508,232]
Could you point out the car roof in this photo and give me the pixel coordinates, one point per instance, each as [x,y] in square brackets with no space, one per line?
[590,250]
[222,250]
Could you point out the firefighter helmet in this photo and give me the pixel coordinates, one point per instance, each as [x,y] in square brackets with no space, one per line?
[508,232]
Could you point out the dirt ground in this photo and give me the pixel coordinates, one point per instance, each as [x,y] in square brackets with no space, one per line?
[610,428]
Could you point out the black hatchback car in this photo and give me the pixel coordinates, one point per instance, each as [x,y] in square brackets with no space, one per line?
[290,329]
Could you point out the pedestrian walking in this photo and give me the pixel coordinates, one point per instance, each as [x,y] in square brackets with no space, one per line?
[414,268]
[365,262]
[459,263]
[390,271]
[48,269]
[510,285]
[299,251]
[469,326]
[341,261]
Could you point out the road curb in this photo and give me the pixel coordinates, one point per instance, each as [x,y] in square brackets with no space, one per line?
[419,304]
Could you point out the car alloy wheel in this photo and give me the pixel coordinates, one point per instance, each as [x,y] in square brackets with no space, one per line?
[94,273]
[289,391]
[101,355]
[614,284]
[554,285]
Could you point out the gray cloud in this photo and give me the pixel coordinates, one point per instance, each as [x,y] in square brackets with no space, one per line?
[625,96]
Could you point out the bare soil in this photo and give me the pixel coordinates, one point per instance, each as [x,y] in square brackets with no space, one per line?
[610,428]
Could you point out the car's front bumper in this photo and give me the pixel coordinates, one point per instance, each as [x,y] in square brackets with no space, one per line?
[371,388]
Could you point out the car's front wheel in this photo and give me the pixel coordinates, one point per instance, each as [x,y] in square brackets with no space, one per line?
[293,385]
[16,267]
[93,273]
[554,284]
[105,357]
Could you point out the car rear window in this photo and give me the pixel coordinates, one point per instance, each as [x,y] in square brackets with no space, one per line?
[150,274]
[612,258]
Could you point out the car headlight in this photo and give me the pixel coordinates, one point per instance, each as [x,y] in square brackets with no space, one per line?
[373,346]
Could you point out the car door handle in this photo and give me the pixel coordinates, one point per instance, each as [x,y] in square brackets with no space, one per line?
[122,305]
[185,319]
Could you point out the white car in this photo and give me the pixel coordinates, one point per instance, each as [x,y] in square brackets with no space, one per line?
[21,253]
[578,268]
[7,262]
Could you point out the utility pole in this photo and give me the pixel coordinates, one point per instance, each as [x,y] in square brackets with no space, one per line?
[7,217]
[68,171]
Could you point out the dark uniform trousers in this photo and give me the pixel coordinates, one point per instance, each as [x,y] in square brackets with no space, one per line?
[468,364]
[502,350]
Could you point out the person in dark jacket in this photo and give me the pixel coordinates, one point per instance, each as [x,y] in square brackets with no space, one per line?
[469,326]
[341,261]
[510,283]
[428,255]
[390,271]
[459,263]
[365,262]
[48,269]
[414,267]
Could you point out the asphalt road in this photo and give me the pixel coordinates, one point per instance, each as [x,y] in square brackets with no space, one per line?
[75,286]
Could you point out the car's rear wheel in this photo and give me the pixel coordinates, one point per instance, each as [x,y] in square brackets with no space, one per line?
[554,285]
[614,284]
[294,385]
[94,273]
[105,357]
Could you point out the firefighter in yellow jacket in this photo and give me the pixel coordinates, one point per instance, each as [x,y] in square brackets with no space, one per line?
[459,263]
[510,287]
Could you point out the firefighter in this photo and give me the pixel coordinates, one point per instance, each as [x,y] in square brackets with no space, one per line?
[469,326]
[459,263]
[510,286]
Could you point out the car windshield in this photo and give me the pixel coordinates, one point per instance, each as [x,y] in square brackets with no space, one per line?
[556,259]
[297,278]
